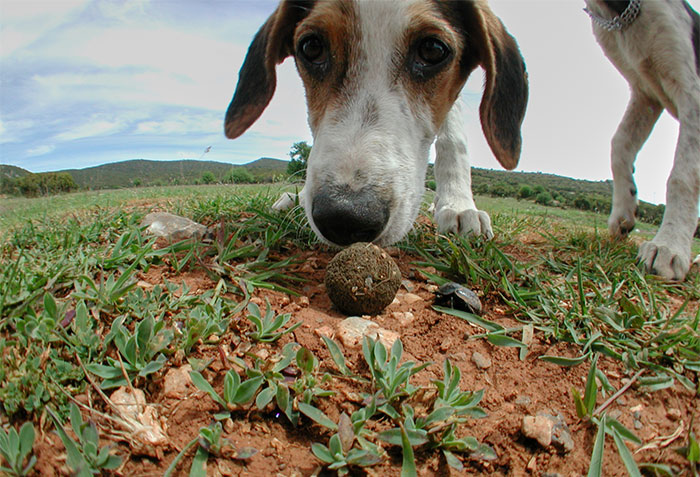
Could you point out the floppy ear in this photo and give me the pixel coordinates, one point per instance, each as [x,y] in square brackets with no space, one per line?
[505,95]
[257,79]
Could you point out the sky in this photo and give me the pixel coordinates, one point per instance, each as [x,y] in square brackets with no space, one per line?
[87,82]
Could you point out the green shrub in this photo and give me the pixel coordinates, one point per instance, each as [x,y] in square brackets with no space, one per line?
[544,198]
[525,192]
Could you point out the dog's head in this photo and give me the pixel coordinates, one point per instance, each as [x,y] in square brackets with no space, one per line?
[380,78]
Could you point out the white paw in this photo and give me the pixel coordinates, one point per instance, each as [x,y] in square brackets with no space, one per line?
[621,222]
[286,201]
[467,222]
[664,260]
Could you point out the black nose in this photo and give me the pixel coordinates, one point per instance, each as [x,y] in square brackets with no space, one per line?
[344,216]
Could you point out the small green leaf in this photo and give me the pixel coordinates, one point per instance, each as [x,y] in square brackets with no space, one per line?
[199,463]
[336,355]
[626,455]
[471,318]
[408,466]
[596,466]
[264,397]
[561,361]
[453,461]
[317,415]
[589,398]
[503,340]
[201,383]
[322,453]
[581,410]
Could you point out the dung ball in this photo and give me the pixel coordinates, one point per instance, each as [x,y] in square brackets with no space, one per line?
[362,279]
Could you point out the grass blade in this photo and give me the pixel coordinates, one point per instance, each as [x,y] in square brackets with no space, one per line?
[596,467]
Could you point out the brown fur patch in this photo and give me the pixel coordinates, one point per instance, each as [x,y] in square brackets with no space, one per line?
[335,21]
[440,91]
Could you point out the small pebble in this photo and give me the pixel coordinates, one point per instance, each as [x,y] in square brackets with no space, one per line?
[673,414]
[523,401]
[637,424]
[410,298]
[481,361]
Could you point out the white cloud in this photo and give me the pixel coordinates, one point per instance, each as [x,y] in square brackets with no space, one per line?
[41,150]
[91,129]
[25,21]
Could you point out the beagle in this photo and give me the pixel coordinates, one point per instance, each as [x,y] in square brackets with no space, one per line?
[382,79]
[654,44]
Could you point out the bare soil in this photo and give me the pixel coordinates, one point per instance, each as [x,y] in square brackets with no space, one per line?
[514,388]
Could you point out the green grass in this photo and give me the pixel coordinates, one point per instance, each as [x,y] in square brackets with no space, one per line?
[71,309]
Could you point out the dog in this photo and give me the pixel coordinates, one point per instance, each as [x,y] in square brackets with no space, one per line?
[654,44]
[382,79]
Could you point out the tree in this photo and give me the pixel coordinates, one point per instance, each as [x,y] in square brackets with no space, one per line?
[299,155]
[239,175]
[208,177]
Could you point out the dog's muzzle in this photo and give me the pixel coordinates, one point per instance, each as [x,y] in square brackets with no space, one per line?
[345,216]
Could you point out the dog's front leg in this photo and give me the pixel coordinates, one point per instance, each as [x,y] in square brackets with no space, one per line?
[634,129]
[288,200]
[455,210]
[669,252]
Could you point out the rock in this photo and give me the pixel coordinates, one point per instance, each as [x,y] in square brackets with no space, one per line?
[538,428]
[548,431]
[481,361]
[140,416]
[177,382]
[352,330]
[326,331]
[638,424]
[523,401]
[172,227]
[404,318]
[362,279]
[410,298]
[673,414]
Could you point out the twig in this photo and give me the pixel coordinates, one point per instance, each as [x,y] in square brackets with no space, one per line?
[619,393]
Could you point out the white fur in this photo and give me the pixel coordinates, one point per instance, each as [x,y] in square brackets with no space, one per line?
[656,56]
[392,155]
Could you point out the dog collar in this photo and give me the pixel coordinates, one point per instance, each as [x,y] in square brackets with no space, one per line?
[621,21]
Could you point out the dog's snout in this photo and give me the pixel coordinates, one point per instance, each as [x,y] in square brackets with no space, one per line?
[344,216]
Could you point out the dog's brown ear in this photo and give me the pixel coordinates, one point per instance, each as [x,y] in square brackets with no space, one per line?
[505,95]
[257,79]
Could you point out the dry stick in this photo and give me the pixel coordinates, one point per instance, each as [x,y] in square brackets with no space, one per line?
[619,393]
[131,387]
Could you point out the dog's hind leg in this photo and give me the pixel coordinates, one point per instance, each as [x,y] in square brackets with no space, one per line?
[634,129]
[455,210]
[669,253]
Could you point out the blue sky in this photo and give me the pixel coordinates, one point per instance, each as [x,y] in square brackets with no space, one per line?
[86,82]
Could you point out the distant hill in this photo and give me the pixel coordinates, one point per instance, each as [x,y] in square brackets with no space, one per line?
[148,172]
[12,172]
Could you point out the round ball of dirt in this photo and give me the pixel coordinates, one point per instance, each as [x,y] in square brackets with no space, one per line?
[362,279]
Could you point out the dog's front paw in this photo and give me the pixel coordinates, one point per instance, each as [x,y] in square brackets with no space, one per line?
[621,223]
[286,201]
[467,222]
[665,260]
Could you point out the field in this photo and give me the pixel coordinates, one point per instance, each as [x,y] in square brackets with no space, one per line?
[122,354]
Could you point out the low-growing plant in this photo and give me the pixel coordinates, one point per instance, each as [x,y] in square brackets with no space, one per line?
[390,377]
[341,455]
[236,393]
[15,448]
[84,456]
[268,327]
[141,351]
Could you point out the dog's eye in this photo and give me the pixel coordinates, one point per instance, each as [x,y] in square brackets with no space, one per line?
[432,52]
[313,50]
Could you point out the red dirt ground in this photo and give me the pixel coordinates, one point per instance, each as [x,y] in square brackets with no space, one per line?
[513,389]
